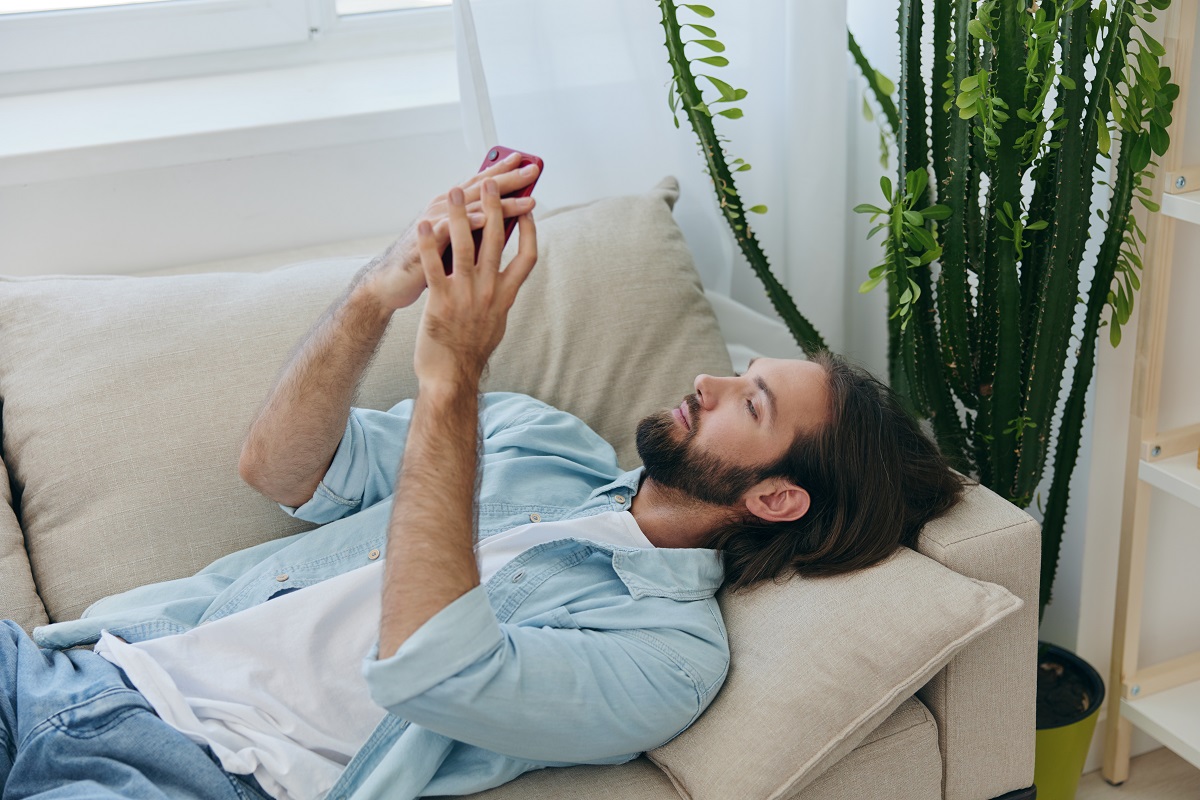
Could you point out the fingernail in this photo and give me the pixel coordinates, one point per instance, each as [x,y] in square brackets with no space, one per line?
[424,228]
[512,157]
[528,170]
[490,188]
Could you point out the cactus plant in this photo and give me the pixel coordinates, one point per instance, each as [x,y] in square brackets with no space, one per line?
[987,224]
[997,268]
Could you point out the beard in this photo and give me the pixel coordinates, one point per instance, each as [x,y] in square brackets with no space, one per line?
[672,461]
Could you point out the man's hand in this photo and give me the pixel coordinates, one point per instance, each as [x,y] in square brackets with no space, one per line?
[467,311]
[295,435]
[397,279]
[431,556]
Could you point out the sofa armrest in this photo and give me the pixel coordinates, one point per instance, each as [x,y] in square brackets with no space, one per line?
[984,700]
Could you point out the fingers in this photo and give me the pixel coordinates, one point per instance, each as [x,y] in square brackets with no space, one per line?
[460,232]
[493,231]
[431,255]
[518,269]
[508,178]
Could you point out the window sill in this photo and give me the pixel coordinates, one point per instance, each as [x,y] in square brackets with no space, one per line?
[86,132]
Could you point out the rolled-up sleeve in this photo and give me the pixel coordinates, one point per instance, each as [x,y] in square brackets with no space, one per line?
[546,694]
[364,467]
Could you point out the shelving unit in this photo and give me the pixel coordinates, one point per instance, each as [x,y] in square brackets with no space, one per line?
[1161,699]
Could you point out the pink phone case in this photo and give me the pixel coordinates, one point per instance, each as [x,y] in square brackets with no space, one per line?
[493,156]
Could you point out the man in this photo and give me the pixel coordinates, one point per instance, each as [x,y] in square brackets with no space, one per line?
[489,593]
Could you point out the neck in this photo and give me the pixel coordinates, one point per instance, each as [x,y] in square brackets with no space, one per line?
[670,518]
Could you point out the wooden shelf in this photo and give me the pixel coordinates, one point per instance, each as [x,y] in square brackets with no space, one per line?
[1172,717]
[1177,476]
[1184,206]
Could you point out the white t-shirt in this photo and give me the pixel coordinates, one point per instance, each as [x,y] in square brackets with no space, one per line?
[277,690]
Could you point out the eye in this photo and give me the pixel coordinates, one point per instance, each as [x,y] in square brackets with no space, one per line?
[750,408]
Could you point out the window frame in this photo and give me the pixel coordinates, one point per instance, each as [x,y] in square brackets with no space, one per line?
[70,49]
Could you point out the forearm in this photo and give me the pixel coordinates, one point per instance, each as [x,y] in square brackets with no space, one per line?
[431,538]
[294,437]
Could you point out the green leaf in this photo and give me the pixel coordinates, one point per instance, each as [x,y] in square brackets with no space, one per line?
[886,185]
[1103,140]
[1067,81]
[870,284]
[1139,154]
[978,31]
[1037,226]
[709,32]
[1159,140]
[914,218]
[867,113]
[716,61]
[936,212]
[867,208]
[884,83]
[1114,333]
[757,209]
[711,44]
[968,83]
[703,11]
[1115,102]
[1150,204]
[732,113]
[1152,43]
[743,168]
[727,91]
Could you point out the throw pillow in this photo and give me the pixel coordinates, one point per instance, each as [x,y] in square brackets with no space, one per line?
[817,664]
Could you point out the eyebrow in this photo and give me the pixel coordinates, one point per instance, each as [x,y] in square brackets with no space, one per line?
[766,390]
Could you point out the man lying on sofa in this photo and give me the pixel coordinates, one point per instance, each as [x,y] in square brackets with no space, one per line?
[537,606]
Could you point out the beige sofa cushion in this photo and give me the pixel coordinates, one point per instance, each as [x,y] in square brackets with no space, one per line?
[18,596]
[125,400]
[899,760]
[817,664]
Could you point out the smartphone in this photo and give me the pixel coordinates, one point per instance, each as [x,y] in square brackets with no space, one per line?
[494,156]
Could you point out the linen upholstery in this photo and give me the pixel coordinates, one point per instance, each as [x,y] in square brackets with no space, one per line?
[817,663]
[126,400]
[899,760]
[984,701]
[18,595]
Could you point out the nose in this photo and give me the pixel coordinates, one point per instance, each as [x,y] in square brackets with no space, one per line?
[708,390]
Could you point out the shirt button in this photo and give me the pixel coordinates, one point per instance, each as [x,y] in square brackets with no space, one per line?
[283,576]
[374,554]
[535,517]
[619,498]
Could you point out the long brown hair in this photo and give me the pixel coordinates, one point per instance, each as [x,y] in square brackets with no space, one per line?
[874,479]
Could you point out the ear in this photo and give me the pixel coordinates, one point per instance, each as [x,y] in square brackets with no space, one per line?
[778,500]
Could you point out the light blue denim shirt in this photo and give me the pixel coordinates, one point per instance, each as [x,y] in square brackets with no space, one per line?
[574,652]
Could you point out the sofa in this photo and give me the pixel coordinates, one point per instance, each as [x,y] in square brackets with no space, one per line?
[124,401]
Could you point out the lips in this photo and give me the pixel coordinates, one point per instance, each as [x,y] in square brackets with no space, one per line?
[683,414]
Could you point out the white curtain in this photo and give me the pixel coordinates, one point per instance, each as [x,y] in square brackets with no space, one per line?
[583,84]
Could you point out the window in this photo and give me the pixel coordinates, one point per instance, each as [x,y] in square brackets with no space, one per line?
[77,36]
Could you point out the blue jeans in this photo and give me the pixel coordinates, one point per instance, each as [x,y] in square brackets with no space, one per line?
[72,727]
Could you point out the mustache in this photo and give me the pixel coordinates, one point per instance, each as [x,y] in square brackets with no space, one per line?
[693,404]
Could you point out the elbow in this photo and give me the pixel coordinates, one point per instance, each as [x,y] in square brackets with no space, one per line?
[249,468]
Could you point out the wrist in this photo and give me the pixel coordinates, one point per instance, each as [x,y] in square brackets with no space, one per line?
[448,386]
[366,300]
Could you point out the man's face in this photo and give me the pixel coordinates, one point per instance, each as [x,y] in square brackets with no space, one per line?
[718,443]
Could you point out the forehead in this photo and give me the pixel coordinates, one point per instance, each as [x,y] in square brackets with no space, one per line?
[801,390]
